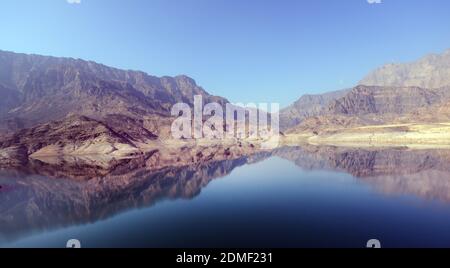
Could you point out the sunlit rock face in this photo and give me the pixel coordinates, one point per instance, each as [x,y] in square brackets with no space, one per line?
[38,89]
[308,106]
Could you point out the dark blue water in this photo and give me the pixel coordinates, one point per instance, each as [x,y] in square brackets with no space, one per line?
[277,202]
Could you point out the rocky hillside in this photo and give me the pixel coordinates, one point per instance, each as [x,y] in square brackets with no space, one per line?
[77,135]
[374,105]
[407,93]
[37,89]
[307,106]
[363,100]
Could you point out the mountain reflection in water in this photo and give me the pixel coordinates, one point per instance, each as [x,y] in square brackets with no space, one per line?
[423,173]
[60,193]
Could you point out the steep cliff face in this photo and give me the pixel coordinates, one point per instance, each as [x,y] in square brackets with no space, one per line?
[373,105]
[432,71]
[387,100]
[37,89]
[370,104]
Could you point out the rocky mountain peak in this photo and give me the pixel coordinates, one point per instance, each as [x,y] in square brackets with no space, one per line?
[431,71]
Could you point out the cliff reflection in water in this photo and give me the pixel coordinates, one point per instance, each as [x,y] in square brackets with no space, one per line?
[422,173]
[64,192]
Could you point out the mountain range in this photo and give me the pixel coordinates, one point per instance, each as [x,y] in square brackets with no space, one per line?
[410,93]
[431,71]
[37,89]
[68,106]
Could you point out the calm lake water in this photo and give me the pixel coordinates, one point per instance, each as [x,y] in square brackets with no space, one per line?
[292,197]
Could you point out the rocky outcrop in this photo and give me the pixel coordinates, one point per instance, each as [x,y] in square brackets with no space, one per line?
[78,135]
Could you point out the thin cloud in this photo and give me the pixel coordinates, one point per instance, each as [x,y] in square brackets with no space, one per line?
[374,1]
[74,2]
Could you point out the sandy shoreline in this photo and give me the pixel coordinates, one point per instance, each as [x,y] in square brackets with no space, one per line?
[414,135]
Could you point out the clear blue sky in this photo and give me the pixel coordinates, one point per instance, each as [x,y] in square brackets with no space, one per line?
[245,50]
